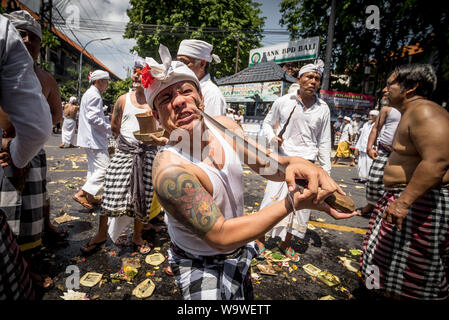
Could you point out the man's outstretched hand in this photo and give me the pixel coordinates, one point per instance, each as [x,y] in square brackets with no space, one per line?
[319,184]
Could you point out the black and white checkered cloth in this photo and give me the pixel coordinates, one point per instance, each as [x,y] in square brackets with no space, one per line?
[413,262]
[375,188]
[25,209]
[116,197]
[220,277]
[15,281]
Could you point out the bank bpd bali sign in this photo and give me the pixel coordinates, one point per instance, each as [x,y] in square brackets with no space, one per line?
[287,51]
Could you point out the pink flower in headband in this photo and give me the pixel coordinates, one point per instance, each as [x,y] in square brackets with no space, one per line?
[147,77]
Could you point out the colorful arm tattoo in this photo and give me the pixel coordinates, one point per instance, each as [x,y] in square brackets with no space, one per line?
[182,195]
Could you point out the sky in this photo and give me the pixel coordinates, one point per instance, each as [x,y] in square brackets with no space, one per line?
[115,53]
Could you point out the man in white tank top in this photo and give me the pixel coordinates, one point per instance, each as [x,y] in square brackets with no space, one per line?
[128,190]
[199,188]
[381,134]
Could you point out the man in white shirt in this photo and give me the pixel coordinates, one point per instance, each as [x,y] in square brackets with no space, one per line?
[345,141]
[22,100]
[93,131]
[365,162]
[197,55]
[308,135]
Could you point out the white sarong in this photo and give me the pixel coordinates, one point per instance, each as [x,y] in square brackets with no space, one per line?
[364,165]
[68,131]
[295,223]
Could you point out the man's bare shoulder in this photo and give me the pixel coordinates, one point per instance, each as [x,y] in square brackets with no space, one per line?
[427,110]
[165,160]
[46,77]
[385,110]
[121,101]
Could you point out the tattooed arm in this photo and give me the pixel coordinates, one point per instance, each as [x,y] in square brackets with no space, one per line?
[117,113]
[186,196]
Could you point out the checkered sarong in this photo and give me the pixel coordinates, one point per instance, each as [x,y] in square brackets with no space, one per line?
[375,188]
[15,281]
[413,262]
[116,200]
[220,277]
[25,209]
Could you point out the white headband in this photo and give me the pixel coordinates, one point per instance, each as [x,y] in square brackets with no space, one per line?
[156,77]
[139,62]
[23,20]
[197,49]
[317,67]
[72,100]
[98,75]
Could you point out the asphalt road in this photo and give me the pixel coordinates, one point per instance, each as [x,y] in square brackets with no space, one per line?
[326,240]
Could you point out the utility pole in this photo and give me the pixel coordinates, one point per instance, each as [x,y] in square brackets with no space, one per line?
[45,20]
[237,57]
[329,44]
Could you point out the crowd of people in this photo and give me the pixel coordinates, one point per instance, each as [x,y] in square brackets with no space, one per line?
[193,172]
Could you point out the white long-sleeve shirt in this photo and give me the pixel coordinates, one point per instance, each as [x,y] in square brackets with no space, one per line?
[362,143]
[214,102]
[21,97]
[308,134]
[93,128]
[346,133]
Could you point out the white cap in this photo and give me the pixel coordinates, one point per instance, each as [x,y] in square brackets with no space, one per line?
[197,49]
[358,115]
[73,100]
[98,75]
[374,113]
[340,116]
[317,67]
[23,20]
[165,74]
[347,118]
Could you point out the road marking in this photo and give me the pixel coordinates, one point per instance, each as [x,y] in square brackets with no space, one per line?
[338,227]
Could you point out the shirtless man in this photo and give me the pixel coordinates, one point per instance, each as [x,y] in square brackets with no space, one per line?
[408,240]
[68,127]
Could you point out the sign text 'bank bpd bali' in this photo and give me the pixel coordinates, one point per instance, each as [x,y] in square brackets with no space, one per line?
[305,49]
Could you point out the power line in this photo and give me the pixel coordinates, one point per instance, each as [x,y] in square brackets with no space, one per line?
[101,42]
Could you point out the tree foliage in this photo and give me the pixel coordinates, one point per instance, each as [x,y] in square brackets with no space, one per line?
[70,87]
[115,90]
[402,23]
[218,22]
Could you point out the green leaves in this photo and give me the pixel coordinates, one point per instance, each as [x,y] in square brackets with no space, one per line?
[402,23]
[216,21]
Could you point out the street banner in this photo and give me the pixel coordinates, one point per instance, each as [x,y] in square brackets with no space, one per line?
[252,92]
[305,49]
[347,103]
